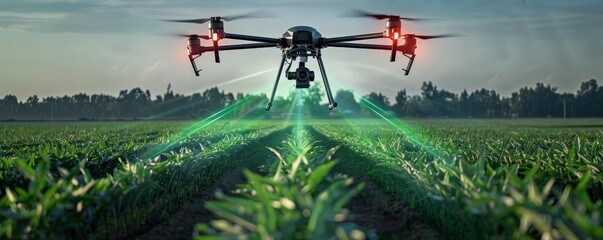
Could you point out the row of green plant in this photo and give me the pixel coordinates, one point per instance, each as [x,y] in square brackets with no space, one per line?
[485,181]
[101,147]
[74,204]
[297,199]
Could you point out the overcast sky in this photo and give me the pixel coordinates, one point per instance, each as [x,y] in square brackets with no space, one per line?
[59,47]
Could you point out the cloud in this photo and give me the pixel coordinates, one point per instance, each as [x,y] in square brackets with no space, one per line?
[108,16]
[29,6]
[93,21]
[25,22]
[149,69]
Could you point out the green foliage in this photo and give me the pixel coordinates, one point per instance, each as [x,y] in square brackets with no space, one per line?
[58,202]
[469,179]
[474,181]
[298,201]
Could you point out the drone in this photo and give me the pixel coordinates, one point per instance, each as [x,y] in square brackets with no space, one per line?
[300,42]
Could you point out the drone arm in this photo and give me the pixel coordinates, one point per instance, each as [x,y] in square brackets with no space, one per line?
[224,48]
[363,46]
[251,38]
[355,38]
[411,57]
[240,46]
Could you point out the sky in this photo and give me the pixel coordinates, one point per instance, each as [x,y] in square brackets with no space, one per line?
[64,47]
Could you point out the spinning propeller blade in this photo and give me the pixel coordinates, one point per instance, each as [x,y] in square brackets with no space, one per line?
[426,37]
[378,16]
[184,35]
[198,21]
[254,14]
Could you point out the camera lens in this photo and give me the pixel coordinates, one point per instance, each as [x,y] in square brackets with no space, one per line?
[303,75]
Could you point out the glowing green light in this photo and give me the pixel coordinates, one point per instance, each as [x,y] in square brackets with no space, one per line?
[196,127]
[402,127]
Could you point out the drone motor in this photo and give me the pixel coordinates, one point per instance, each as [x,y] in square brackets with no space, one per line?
[409,46]
[194,45]
[393,28]
[216,32]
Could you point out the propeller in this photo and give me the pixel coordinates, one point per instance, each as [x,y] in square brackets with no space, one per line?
[185,35]
[426,37]
[254,14]
[378,16]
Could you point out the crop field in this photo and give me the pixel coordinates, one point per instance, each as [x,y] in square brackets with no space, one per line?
[302,178]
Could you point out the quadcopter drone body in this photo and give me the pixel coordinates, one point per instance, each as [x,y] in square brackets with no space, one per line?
[301,42]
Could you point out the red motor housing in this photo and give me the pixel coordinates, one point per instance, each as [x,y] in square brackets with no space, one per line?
[409,45]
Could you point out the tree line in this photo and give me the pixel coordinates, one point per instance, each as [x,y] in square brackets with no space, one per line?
[131,104]
[537,101]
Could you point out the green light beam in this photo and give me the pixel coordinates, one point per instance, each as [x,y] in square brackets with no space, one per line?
[194,128]
[293,104]
[400,126]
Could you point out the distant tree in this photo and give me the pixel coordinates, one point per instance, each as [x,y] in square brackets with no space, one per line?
[9,106]
[566,105]
[81,105]
[213,97]
[169,94]
[31,107]
[527,102]
[228,98]
[312,98]
[463,105]
[540,101]
[484,103]
[346,102]
[545,98]
[414,106]
[588,100]
[400,106]
[437,102]
[33,100]
[378,99]
[239,96]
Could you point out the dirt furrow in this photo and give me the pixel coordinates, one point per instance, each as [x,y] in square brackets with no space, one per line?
[375,208]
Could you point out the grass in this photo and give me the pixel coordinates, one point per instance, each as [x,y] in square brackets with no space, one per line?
[469,179]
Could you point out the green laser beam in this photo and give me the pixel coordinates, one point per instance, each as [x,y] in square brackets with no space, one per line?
[400,126]
[196,127]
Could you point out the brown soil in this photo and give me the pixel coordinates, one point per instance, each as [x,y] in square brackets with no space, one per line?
[391,218]
[180,225]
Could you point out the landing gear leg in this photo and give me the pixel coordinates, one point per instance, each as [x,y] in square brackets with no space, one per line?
[410,61]
[278,76]
[323,73]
